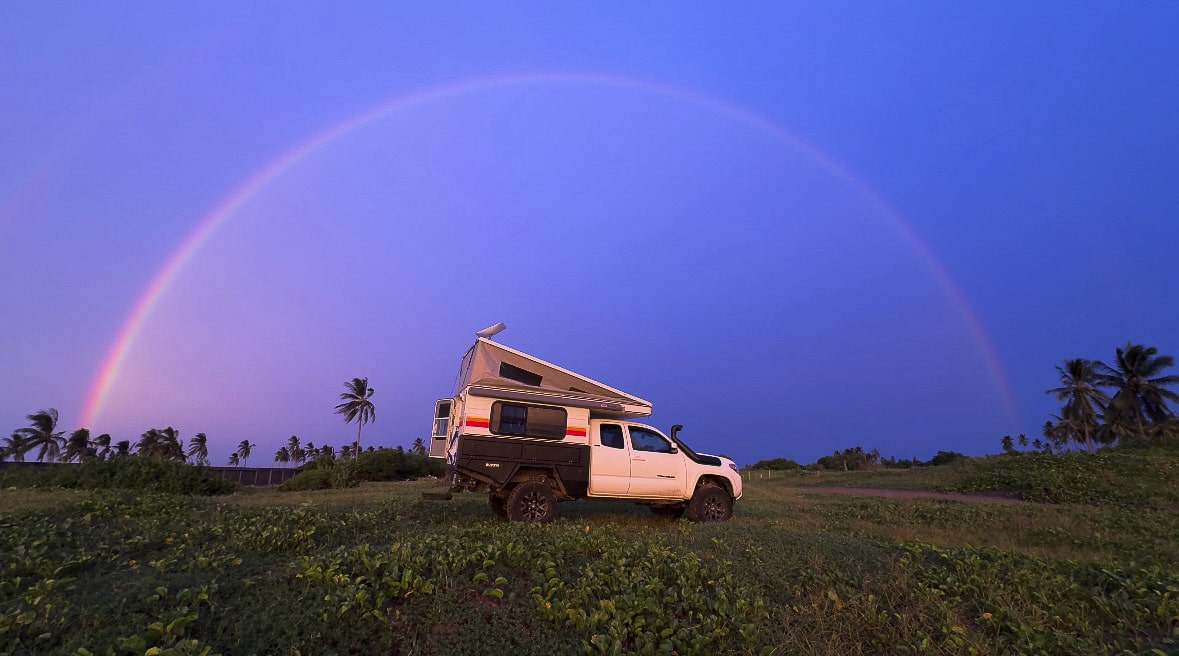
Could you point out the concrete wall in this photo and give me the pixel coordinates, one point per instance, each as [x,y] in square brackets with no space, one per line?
[256,476]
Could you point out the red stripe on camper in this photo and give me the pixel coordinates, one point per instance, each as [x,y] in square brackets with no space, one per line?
[478,422]
[576,431]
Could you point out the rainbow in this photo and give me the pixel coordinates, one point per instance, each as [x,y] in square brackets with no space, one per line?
[112,363]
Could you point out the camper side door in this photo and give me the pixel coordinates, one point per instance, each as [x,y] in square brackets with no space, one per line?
[441,428]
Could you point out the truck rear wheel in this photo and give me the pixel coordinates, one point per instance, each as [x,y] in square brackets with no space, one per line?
[532,502]
[497,505]
[710,504]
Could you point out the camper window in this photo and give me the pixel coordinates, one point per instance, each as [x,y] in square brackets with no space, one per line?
[528,420]
[512,372]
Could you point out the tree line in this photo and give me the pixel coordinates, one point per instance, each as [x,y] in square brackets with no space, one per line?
[1127,402]
[51,445]
[857,458]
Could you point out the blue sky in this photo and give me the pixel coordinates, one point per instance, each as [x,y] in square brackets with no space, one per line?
[766,221]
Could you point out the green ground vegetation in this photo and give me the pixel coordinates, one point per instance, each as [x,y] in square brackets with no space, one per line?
[1130,476]
[375,569]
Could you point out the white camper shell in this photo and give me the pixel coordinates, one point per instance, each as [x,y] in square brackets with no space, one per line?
[531,433]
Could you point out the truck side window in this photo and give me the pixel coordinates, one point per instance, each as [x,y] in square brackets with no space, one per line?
[612,436]
[528,420]
[642,439]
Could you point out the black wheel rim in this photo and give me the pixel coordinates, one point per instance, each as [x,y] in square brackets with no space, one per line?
[534,506]
[714,508]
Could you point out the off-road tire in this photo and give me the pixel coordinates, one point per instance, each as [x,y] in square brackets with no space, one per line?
[497,505]
[532,502]
[670,512]
[710,503]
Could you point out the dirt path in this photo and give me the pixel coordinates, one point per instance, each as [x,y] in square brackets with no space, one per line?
[913,494]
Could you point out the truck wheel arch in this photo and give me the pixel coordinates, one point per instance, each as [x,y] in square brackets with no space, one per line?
[538,475]
[714,481]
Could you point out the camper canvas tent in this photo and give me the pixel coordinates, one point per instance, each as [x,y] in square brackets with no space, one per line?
[492,369]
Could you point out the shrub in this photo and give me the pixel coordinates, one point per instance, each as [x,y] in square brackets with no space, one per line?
[397,465]
[26,475]
[324,475]
[129,473]
[318,478]
[343,474]
[945,458]
[776,464]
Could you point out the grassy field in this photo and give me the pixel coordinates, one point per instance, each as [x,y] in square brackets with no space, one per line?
[376,570]
[1132,477]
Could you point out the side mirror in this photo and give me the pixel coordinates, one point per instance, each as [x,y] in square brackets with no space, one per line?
[674,450]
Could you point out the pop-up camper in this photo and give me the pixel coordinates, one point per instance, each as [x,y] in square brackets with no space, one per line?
[531,433]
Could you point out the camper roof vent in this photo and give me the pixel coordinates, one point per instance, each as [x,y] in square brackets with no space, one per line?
[491,331]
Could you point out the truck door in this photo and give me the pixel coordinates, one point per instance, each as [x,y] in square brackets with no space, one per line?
[656,469]
[441,429]
[609,461]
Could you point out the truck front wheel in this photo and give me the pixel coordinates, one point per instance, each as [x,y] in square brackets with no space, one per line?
[710,504]
[532,502]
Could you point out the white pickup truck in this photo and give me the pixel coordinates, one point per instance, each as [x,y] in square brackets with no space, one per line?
[531,434]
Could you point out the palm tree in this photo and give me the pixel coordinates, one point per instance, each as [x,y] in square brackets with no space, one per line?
[15,447]
[171,446]
[149,445]
[77,445]
[123,449]
[1023,440]
[244,450]
[1165,430]
[419,447]
[102,446]
[1062,430]
[295,451]
[346,452]
[234,460]
[1007,444]
[42,434]
[283,455]
[198,449]
[357,405]
[1084,401]
[1141,394]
